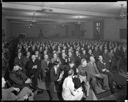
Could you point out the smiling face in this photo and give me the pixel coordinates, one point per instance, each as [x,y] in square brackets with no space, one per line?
[46,56]
[16,67]
[84,63]
[33,57]
[55,55]
[100,58]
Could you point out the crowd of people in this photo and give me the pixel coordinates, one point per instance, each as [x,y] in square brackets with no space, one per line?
[74,68]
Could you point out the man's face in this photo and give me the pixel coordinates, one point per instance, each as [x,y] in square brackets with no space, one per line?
[28,53]
[37,52]
[57,65]
[71,65]
[19,54]
[84,63]
[15,68]
[100,58]
[55,55]
[105,50]
[63,54]
[33,57]
[92,59]
[83,51]
[46,56]
[70,54]
[90,51]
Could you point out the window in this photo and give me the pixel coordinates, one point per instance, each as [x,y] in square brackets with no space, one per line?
[98,26]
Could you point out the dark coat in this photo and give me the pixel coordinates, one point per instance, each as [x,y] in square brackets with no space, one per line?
[53,75]
[31,71]
[18,78]
[100,66]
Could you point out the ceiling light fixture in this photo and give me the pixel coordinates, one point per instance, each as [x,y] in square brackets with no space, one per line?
[122,12]
[79,17]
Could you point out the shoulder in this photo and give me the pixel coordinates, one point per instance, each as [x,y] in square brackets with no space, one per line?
[79,66]
[88,64]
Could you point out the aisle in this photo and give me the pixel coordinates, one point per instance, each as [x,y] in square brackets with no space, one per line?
[118,95]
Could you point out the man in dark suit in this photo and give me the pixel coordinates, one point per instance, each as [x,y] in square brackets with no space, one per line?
[54,76]
[19,60]
[106,58]
[101,65]
[77,59]
[19,78]
[22,94]
[45,66]
[94,74]
[33,70]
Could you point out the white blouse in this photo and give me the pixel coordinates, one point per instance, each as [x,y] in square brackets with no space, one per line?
[69,92]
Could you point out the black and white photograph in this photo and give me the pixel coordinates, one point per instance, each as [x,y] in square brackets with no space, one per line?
[64,51]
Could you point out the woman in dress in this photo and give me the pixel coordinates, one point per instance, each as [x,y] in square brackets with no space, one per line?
[69,92]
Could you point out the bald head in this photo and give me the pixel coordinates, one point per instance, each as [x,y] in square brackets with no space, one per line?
[33,57]
[92,59]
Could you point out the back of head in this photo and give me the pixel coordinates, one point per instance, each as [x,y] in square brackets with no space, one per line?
[92,59]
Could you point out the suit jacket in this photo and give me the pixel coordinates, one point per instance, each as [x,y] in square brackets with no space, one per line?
[19,62]
[92,70]
[54,76]
[31,71]
[100,66]
[18,78]
[77,60]
[82,70]
[44,68]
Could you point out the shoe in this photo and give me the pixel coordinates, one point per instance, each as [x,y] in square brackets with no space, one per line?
[35,92]
[40,91]
[119,86]
[106,88]
[99,90]
[83,99]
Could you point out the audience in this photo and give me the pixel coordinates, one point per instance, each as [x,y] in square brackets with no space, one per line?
[58,62]
[14,93]
[69,92]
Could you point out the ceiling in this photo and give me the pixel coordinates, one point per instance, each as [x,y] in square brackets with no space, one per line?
[61,11]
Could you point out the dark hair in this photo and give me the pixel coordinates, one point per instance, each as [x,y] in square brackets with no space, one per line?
[70,72]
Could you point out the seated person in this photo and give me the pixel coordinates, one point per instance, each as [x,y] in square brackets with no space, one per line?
[33,71]
[68,90]
[19,60]
[83,74]
[18,78]
[8,94]
[94,75]
[104,71]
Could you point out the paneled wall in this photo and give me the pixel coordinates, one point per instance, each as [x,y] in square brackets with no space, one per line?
[85,30]
[53,30]
[112,28]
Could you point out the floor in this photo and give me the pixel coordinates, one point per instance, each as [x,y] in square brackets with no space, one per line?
[119,95]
